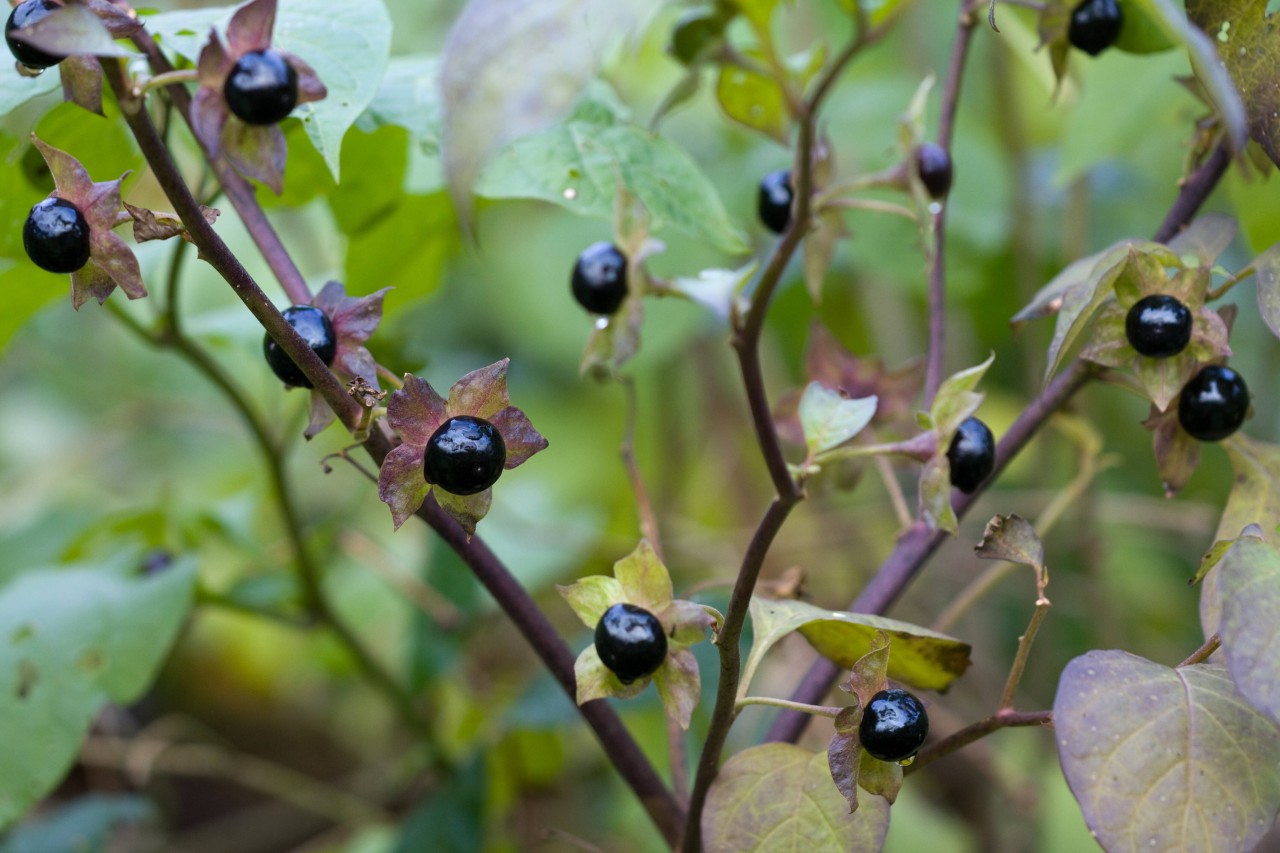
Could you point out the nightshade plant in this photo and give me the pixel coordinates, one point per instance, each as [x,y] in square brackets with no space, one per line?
[154,539]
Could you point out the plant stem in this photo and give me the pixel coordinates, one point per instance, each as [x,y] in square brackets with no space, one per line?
[648,521]
[891,485]
[1025,643]
[814,710]
[1002,719]
[1203,653]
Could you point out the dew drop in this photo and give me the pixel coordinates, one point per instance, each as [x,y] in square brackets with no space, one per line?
[935,207]
[570,193]
[602,323]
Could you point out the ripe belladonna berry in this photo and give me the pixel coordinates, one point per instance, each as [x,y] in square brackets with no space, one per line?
[1158,326]
[894,725]
[600,278]
[27,14]
[630,641]
[262,87]
[56,236]
[1095,25]
[774,204]
[933,165]
[1213,404]
[465,455]
[316,329]
[972,455]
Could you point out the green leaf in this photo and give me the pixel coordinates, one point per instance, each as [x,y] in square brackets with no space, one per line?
[76,637]
[591,596]
[882,778]
[918,656]
[1205,238]
[956,400]
[679,686]
[935,494]
[596,681]
[1165,759]
[1245,38]
[829,418]
[579,165]
[1143,31]
[16,90]
[1254,499]
[779,798]
[512,67]
[755,101]
[395,247]
[348,45]
[1267,267]
[1050,299]
[1249,582]
[644,579]
[409,97]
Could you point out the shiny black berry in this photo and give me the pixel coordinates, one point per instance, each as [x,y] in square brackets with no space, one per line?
[774,204]
[27,14]
[600,278]
[933,165]
[1213,404]
[465,455]
[56,236]
[972,455]
[262,87]
[630,641]
[1095,26]
[316,329]
[1158,326]
[894,725]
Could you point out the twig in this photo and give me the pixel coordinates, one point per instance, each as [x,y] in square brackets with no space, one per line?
[1203,653]
[1025,642]
[648,521]
[814,710]
[891,485]
[999,720]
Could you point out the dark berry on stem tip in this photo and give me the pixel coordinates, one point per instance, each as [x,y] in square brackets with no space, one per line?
[630,642]
[1213,404]
[972,455]
[1158,326]
[465,455]
[56,236]
[27,14]
[775,200]
[600,278]
[894,725]
[316,329]
[262,87]
[933,165]
[1095,25]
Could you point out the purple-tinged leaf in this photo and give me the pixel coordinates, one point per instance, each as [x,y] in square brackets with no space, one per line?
[310,87]
[481,393]
[115,257]
[402,485]
[120,21]
[1012,538]
[357,316]
[415,411]
[869,674]
[71,31]
[778,798]
[257,151]
[679,685]
[90,282]
[521,439]
[645,580]
[251,26]
[73,182]
[1177,453]
[1249,583]
[209,115]
[844,754]
[1207,237]
[591,596]
[321,415]
[1165,759]
[82,82]
[686,622]
[154,225]
[1267,267]
[467,510]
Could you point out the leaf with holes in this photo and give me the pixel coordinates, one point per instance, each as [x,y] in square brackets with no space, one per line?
[76,637]
[1165,759]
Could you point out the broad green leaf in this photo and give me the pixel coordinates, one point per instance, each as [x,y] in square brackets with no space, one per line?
[829,418]
[1267,267]
[1245,37]
[917,656]
[1142,31]
[348,45]
[512,67]
[16,90]
[1051,298]
[755,101]
[779,798]
[76,637]
[409,97]
[579,165]
[408,245]
[185,32]
[1165,759]
[1249,582]
[956,400]
[645,581]
[1254,499]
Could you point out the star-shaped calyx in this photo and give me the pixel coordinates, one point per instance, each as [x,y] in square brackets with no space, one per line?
[641,585]
[455,447]
[246,89]
[95,207]
[354,319]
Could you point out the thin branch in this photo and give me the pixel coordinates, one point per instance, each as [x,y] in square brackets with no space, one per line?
[648,521]
[1025,642]
[1203,653]
[814,710]
[999,720]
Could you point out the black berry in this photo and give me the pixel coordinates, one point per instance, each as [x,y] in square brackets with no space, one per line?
[1213,404]
[600,278]
[262,87]
[630,641]
[894,725]
[27,14]
[316,329]
[775,200]
[933,165]
[465,455]
[1158,326]
[56,236]
[1095,26]
[972,455]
